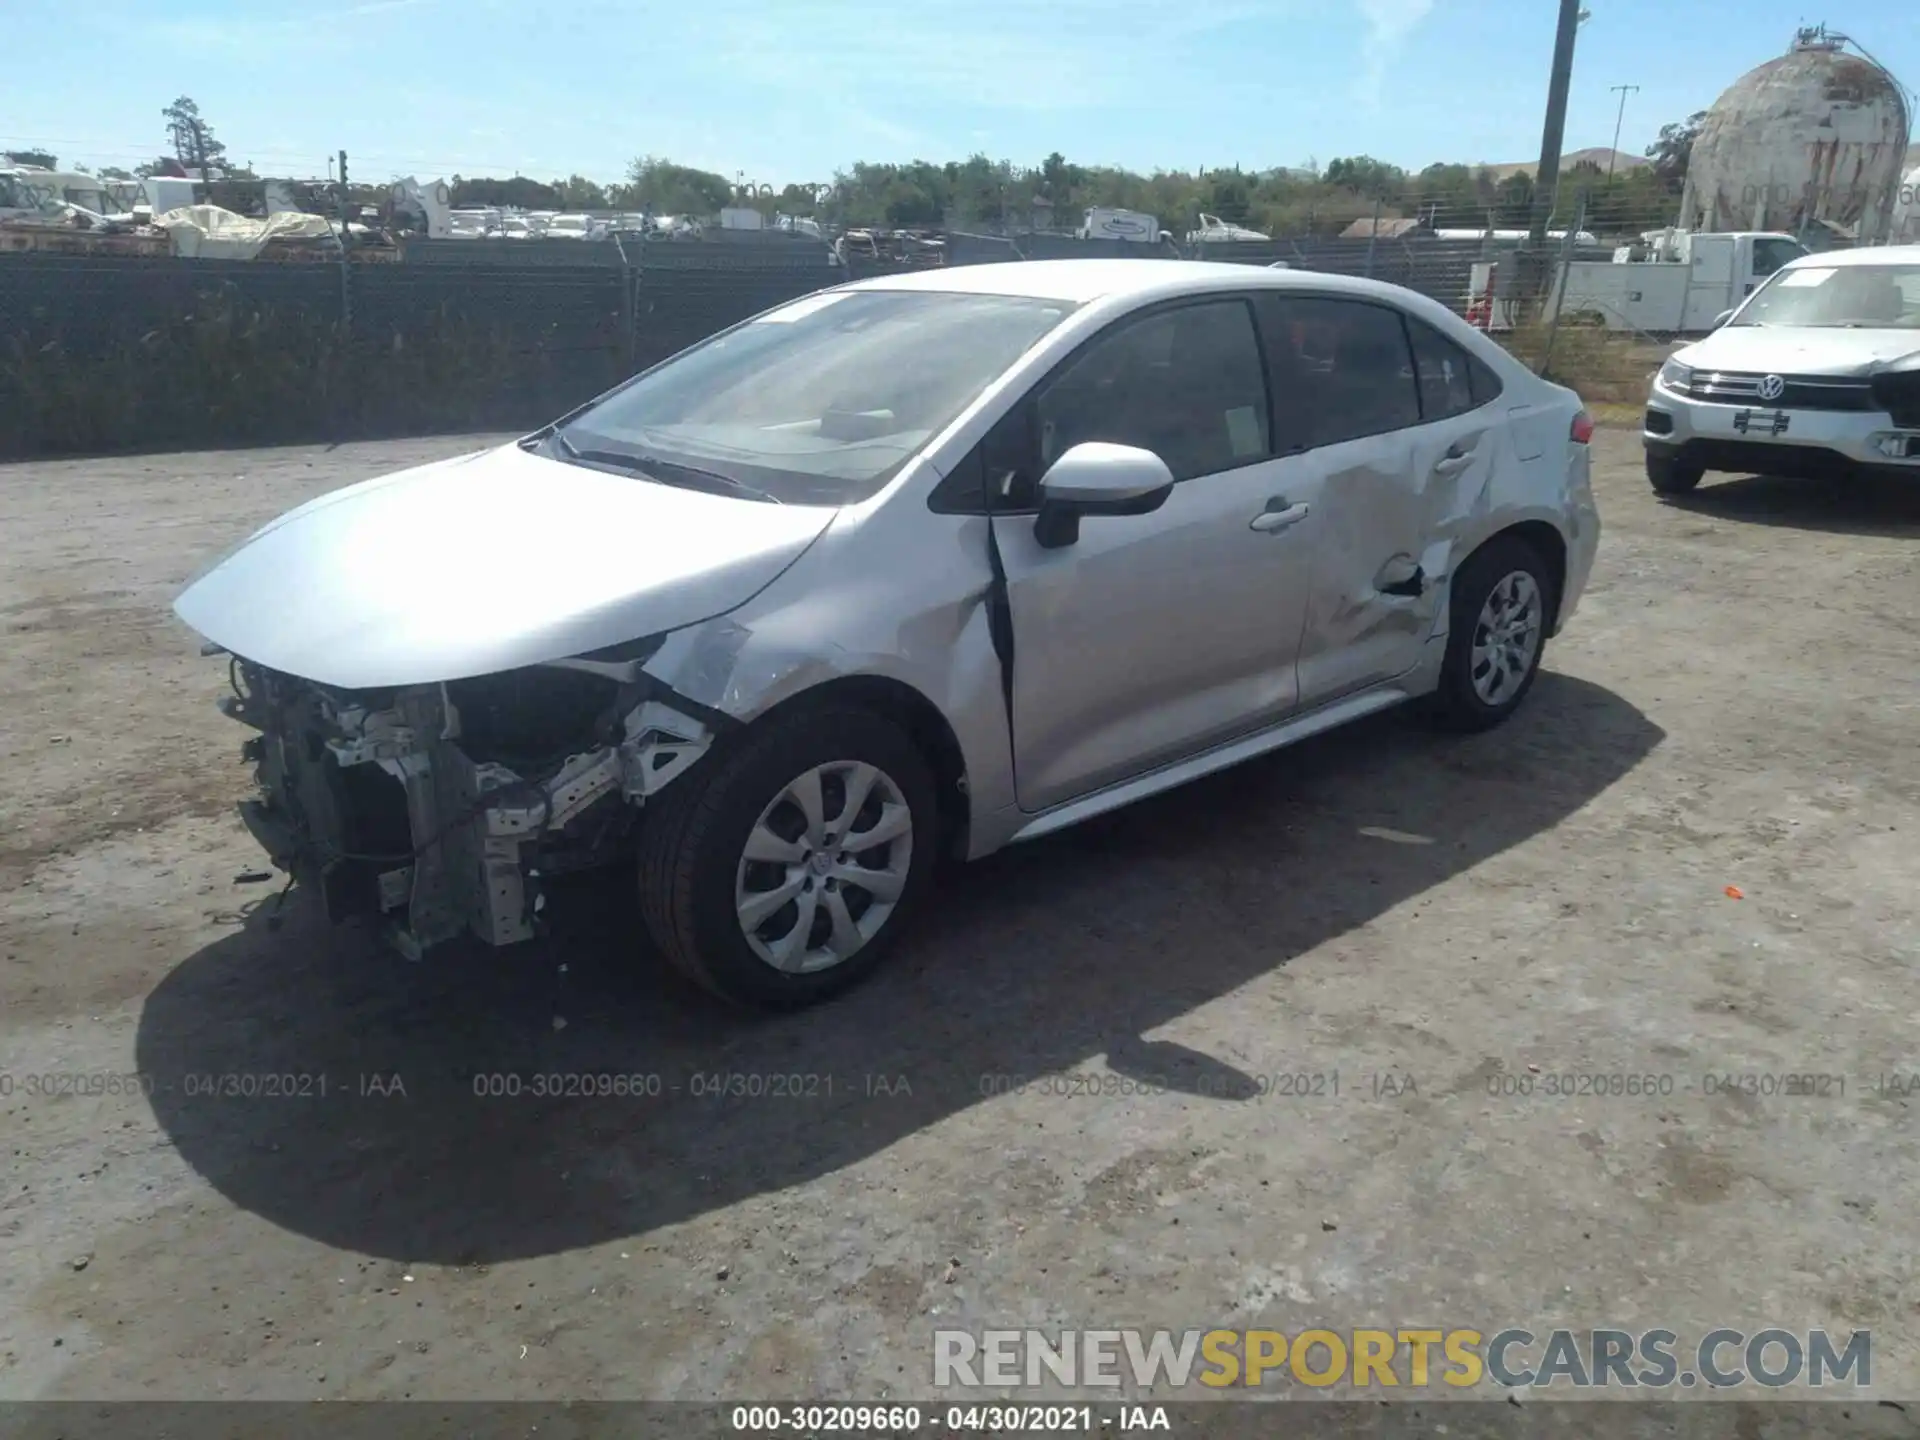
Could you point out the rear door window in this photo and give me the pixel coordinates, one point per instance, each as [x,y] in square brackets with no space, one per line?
[1341,369]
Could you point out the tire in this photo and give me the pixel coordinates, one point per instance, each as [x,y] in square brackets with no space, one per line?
[694,871]
[1459,704]
[1670,475]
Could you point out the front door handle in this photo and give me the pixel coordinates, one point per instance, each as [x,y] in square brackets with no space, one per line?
[1277,516]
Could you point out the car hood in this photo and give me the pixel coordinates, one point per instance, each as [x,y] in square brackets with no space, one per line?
[1786,350]
[484,563]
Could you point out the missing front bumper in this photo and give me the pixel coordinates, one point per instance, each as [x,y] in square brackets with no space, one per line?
[374,802]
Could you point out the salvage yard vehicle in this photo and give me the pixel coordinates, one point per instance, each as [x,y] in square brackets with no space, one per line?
[1816,375]
[921,565]
[1674,285]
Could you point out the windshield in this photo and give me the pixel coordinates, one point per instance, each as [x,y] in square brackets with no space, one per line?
[1839,296]
[820,402]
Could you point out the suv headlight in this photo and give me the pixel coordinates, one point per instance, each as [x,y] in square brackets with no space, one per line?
[1677,377]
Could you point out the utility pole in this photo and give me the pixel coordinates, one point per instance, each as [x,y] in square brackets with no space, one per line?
[346,215]
[1621,119]
[1547,177]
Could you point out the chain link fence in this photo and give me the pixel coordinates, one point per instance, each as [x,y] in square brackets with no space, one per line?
[106,353]
[101,353]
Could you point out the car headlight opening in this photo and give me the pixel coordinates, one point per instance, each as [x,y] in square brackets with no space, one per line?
[1675,376]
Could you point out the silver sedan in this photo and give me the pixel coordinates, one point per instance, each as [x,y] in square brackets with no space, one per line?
[919,566]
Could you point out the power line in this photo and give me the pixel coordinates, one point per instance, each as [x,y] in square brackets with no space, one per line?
[90,151]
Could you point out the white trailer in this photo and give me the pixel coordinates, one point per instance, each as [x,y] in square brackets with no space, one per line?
[1678,283]
[167,192]
[1103,223]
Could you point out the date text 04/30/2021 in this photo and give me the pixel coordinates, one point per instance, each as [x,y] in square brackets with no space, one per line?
[972,1419]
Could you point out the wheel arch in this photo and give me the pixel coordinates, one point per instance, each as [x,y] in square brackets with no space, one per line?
[1549,544]
[918,718]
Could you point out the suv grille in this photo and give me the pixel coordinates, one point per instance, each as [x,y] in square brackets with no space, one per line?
[1803,392]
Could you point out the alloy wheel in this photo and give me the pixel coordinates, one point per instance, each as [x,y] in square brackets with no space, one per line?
[1506,638]
[824,866]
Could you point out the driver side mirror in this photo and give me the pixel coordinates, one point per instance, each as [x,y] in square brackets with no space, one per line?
[1722,318]
[1098,478]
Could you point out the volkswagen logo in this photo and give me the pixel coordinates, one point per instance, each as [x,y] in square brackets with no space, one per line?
[1772,387]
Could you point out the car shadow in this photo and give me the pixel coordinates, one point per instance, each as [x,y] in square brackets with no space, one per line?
[1029,963]
[1872,503]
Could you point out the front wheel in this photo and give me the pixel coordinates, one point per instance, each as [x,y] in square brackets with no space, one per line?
[783,876]
[1497,628]
[1670,475]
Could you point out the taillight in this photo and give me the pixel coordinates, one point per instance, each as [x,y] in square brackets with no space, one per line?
[1582,428]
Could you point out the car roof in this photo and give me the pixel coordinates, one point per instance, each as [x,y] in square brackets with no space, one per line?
[1081,281]
[1871,255]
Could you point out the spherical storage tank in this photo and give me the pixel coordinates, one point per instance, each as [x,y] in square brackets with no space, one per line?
[1816,135]
[1904,228]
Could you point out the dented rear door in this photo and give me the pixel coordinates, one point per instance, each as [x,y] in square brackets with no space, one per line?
[1344,380]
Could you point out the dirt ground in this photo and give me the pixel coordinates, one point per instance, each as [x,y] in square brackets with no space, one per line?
[1734,705]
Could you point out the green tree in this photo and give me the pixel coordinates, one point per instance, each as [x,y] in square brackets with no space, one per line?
[1366,175]
[1228,195]
[1513,201]
[114,172]
[1061,183]
[665,188]
[194,145]
[577,192]
[518,193]
[1674,148]
[800,199]
[43,159]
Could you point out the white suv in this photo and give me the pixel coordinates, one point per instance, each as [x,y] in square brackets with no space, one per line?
[1817,374]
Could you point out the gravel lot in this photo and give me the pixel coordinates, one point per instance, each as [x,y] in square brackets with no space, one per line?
[1735,705]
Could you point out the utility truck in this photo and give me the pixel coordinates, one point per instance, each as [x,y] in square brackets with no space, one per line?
[1671,282]
[1104,223]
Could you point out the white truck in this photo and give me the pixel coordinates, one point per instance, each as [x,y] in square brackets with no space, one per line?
[1103,223]
[1675,282]
[576,227]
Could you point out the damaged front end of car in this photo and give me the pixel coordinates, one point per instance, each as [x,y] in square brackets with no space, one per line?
[437,810]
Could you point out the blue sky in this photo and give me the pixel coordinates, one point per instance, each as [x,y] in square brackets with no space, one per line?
[789,90]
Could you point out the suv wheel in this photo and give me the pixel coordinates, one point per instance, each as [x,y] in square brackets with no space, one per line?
[783,876]
[1670,475]
[1497,628]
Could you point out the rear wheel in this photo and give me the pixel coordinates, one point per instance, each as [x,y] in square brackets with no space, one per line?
[1497,628]
[782,877]
[1671,475]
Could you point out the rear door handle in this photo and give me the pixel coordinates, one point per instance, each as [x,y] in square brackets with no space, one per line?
[1277,516]
[1457,458]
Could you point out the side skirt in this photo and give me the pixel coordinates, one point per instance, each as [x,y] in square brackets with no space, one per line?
[1234,752]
